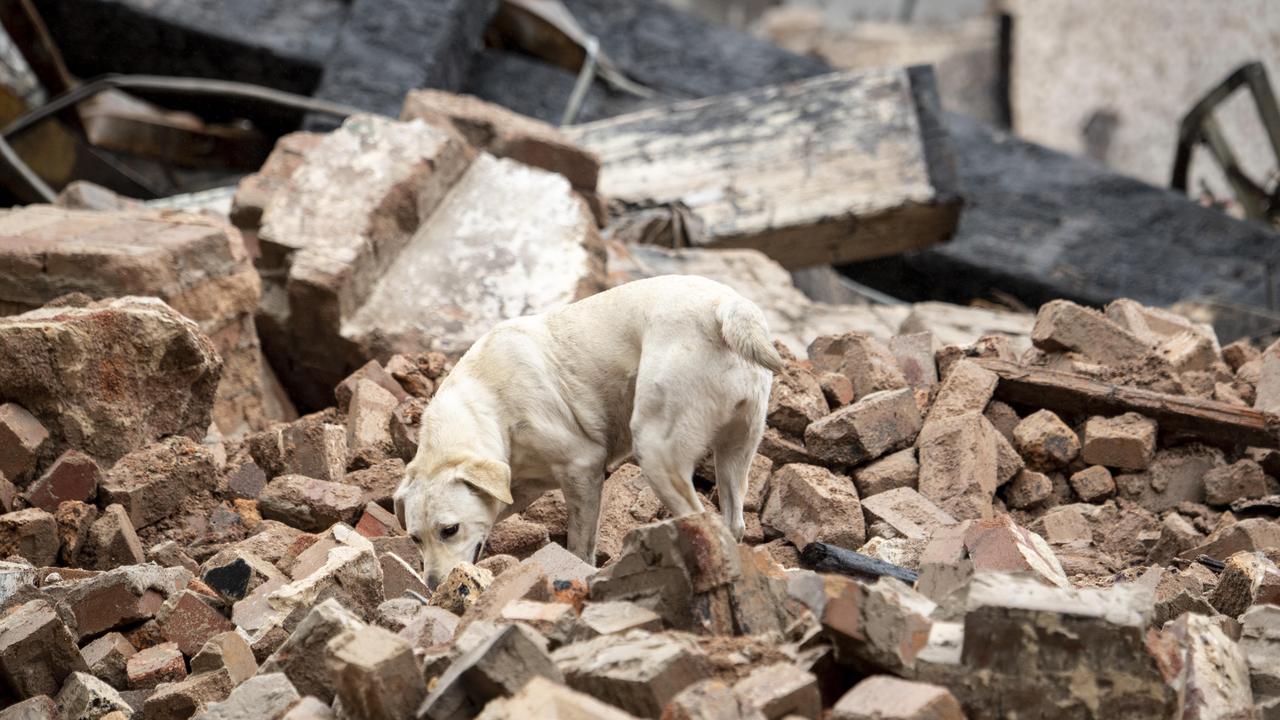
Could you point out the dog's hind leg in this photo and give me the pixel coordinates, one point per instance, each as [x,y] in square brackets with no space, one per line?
[583,484]
[734,448]
[666,457]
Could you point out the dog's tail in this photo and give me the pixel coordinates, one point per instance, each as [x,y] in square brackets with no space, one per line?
[744,329]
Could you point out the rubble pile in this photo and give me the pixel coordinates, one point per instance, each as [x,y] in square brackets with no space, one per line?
[1076,518]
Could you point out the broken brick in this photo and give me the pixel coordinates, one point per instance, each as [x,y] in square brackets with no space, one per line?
[959,465]
[778,691]
[157,664]
[107,657]
[310,504]
[302,656]
[1062,325]
[497,667]
[369,423]
[1249,578]
[897,470]
[314,448]
[836,388]
[153,482]
[84,696]
[1028,489]
[516,536]
[190,622]
[120,597]
[226,650]
[264,696]
[1045,441]
[377,521]
[559,564]
[37,652]
[907,512]
[808,503]
[188,697]
[247,480]
[31,534]
[876,424]
[374,673]
[885,624]
[1093,484]
[999,544]
[1126,442]
[73,476]
[914,354]
[113,541]
[795,400]
[967,388]
[369,372]
[637,672]
[1242,479]
[862,359]
[21,438]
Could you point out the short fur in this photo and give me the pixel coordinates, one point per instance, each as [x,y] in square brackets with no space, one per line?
[664,368]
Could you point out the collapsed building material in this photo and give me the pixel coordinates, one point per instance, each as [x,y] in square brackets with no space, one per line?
[1069,393]
[364,271]
[786,177]
[109,378]
[636,672]
[196,264]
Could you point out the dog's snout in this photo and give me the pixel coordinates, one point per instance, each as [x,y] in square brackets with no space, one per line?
[432,581]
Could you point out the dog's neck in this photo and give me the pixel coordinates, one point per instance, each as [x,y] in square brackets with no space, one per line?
[459,419]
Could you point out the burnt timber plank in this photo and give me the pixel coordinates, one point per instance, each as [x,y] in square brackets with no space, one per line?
[1075,394]
[835,168]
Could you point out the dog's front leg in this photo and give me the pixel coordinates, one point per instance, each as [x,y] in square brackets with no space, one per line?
[582,493]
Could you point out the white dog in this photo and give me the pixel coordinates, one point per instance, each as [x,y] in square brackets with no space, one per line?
[665,367]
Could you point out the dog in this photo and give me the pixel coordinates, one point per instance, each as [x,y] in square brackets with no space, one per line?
[663,368]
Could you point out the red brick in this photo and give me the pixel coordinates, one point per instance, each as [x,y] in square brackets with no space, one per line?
[113,541]
[73,476]
[32,534]
[876,424]
[190,622]
[377,521]
[187,698]
[1093,484]
[865,361]
[808,503]
[21,438]
[157,664]
[310,504]
[1127,442]
[107,658]
[1045,441]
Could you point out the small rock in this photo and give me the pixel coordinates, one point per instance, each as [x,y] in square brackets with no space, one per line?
[1093,484]
[1045,441]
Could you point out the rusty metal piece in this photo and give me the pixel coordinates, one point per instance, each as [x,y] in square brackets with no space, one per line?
[1199,127]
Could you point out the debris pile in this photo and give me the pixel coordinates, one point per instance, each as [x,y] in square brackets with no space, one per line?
[968,503]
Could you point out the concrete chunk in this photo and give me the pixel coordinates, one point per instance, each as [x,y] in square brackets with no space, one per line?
[959,465]
[31,534]
[85,697]
[1249,578]
[884,697]
[226,650]
[908,512]
[778,691]
[264,696]
[1062,325]
[498,667]
[865,361]
[310,504]
[543,699]
[153,482]
[1240,480]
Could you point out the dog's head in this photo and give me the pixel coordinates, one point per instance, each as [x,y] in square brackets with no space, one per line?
[449,507]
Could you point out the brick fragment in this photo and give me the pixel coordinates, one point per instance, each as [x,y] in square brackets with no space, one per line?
[374,673]
[74,520]
[461,588]
[1028,489]
[960,465]
[157,664]
[379,481]
[1093,484]
[369,423]
[967,388]
[795,400]
[614,618]
[884,697]
[1240,480]
[1250,578]
[40,707]
[264,696]
[107,657]
[1208,668]
[497,667]
[1045,441]
[369,372]
[310,504]
[559,564]
[1177,535]
[783,450]
[874,425]
[836,388]
[227,650]
[882,625]
[409,374]
[709,699]
[398,577]
[113,541]
[915,354]
[628,501]
[153,482]
[1001,545]
[1240,352]
[778,691]
[188,697]
[189,621]
[897,470]
[865,361]
[309,708]
[430,627]
[120,597]
[808,503]
[21,438]
[37,652]
[349,573]
[377,521]
[907,512]
[73,476]
[1062,326]
[85,697]
[637,672]
[31,534]
[302,656]
[246,480]
[517,536]
[406,426]
[1127,442]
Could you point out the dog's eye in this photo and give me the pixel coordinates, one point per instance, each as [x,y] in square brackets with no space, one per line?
[448,531]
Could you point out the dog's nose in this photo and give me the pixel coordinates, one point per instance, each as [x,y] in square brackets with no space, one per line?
[432,581]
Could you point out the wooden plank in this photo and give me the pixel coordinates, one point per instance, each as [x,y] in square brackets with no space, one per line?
[1069,393]
[841,167]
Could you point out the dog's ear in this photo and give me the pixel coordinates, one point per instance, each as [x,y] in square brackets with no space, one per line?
[490,476]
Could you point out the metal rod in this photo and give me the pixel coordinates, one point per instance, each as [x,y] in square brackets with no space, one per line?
[585,76]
